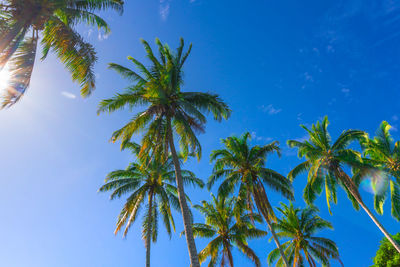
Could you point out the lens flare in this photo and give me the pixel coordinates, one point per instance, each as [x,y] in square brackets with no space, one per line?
[375,183]
[4,78]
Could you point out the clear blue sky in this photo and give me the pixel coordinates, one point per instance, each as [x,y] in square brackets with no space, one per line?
[277,63]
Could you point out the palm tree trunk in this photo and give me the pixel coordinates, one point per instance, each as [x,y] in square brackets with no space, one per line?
[271,228]
[380,226]
[229,253]
[149,232]
[278,244]
[187,221]
[346,180]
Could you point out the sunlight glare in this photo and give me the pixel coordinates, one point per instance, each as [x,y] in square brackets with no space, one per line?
[375,183]
[4,78]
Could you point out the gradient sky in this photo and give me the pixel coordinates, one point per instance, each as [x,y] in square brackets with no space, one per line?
[277,63]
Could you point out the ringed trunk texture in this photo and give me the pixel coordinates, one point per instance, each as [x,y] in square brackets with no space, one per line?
[263,211]
[187,222]
[149,233]
[346,180]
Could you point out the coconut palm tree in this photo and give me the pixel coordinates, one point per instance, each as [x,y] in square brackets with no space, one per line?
[169,113]
[298,227]
[384,154]
[324,163]
[226,232]
[24,22]
[154,183]
[244,168]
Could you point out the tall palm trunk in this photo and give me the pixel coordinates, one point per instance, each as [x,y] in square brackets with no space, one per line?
[187,221]
[266,216]
[149,231]
[229,253]
[346,180]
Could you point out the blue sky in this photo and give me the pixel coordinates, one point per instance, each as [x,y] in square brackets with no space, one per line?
[277,63]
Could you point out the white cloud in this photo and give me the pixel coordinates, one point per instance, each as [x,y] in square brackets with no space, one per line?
[308,77]
[89,33]
[299,116]
[68,95]
[164,9]
[256,137]
[102,36]
[270,109]
[345,90]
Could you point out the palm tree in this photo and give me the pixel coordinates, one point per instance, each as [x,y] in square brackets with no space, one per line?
[244,168]
[227,232]
[384,154]
[168,111]
[324,164]
[22,22]
[154,183]
[299,226]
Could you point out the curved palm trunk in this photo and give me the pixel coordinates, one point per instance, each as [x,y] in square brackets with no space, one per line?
[278,244]
[346,180]
[187,222]
[266,216]
[149,232]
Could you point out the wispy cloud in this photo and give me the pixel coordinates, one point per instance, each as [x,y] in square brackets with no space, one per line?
[68,95]
[89,33]
[308,77]
[102,36]
[345,91]
[164,9]
[256,137]
[299,116]
[270,109]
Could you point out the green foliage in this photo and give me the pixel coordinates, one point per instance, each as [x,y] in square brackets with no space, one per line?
[154,184]
[158,88]
[226,231]
[298,227]
[384,159]
[23,21]
[324,161]
[167,112]
[387,256]
[244,167]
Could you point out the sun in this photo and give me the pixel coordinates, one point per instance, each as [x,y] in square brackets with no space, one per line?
[4,78]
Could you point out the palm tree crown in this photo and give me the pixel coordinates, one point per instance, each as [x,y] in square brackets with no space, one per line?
[384,154]
[324,162]
[298,227]
[221,225]
[154,183]
[244,168]
[21,22]
[159,89]
[168,111]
